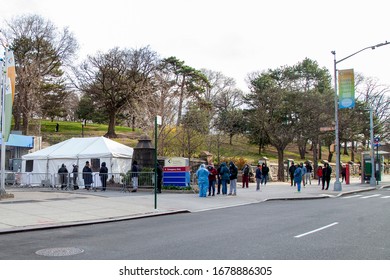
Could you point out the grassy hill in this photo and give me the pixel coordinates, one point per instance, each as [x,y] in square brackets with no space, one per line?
[239,149]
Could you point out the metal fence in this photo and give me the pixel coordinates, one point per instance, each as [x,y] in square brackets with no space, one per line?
[72,181]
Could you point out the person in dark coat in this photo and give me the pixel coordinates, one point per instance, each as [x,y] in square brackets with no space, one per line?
[291,171]
[103,173]
[264,172]
[326,173]
[258,177]
[75,172]
[212,179]
[63,176]
[134,175]
[159,177]
[225,175]
[219,179]
[87,176]
[233,178]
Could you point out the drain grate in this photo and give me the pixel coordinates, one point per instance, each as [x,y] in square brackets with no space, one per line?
[59,252]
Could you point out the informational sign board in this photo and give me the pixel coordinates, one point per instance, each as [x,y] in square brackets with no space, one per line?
[176,172]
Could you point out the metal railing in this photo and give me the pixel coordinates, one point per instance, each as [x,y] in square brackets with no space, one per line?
[73,181]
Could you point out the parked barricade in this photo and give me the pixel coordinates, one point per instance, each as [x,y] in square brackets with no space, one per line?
[145,180]
[29,179]
[73,181]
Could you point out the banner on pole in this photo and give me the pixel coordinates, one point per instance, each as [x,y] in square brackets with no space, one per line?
[346,89]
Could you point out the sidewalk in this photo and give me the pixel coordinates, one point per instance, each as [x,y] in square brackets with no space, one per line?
[38,208]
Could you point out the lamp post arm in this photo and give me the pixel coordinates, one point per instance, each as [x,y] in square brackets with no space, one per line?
[371,47]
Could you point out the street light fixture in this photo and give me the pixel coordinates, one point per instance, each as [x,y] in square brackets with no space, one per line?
[337,184]
[372,179]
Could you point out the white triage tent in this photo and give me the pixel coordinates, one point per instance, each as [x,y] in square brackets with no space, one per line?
[77,151]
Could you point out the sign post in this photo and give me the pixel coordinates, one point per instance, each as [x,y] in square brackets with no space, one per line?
[157,121]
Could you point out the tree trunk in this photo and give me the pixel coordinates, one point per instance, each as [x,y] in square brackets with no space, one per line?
[133,123]
[25,124]
[353,151]
[315,159]
[280,164]
[181,100]
[330,155]
[302,152]
[302,148]
[111,126]
[319,149]
[345,148]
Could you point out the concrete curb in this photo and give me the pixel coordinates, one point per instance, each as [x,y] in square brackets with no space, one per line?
[298,198]
[356,191]
[90,222]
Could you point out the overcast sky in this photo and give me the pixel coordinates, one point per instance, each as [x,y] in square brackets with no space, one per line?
[234,37]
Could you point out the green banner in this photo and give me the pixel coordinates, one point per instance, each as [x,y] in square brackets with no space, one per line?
[346,89]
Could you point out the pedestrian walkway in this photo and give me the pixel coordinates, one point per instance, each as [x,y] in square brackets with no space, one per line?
[38,208]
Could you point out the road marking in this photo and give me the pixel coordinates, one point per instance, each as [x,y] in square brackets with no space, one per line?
[385,196]
[313,231]
[357,195]
[374,195]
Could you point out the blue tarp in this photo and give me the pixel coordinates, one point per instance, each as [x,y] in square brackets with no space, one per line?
[16,140]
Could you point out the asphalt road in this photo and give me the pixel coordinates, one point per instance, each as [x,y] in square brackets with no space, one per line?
[353,227]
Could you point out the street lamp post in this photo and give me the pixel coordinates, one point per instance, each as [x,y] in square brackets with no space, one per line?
[337,184]
[372,179]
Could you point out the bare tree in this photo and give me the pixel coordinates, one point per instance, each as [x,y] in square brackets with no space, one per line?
[42,53]
[376,95]
[117,80]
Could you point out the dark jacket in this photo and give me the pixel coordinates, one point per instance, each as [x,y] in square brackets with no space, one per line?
[134,170]
[63,173]
[265,170]
[224,172]
[103,172]
[258,173]
[326,172]
[291,170]
[87,175]
[233,171]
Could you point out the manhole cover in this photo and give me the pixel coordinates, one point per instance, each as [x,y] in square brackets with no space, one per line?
[59,252]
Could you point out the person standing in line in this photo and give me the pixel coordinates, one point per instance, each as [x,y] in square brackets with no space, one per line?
[309,170]
[212,179]
[203,180]
[225,175]
[75,172]
[87,176]
[245,176]
[258,177]
[233,178]
[291,171]
[103,173]
[298,177]
[326,173]
[63,174]
[159,177]
[134,175]
[303,170]
[219,179]
[319,174]
[343,173]
[265,172]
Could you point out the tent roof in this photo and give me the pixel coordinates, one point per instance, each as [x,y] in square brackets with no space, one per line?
[83,148]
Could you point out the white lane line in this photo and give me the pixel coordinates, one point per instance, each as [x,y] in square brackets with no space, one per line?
[346,197]
[313,231]
[387,196]
[374,195]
